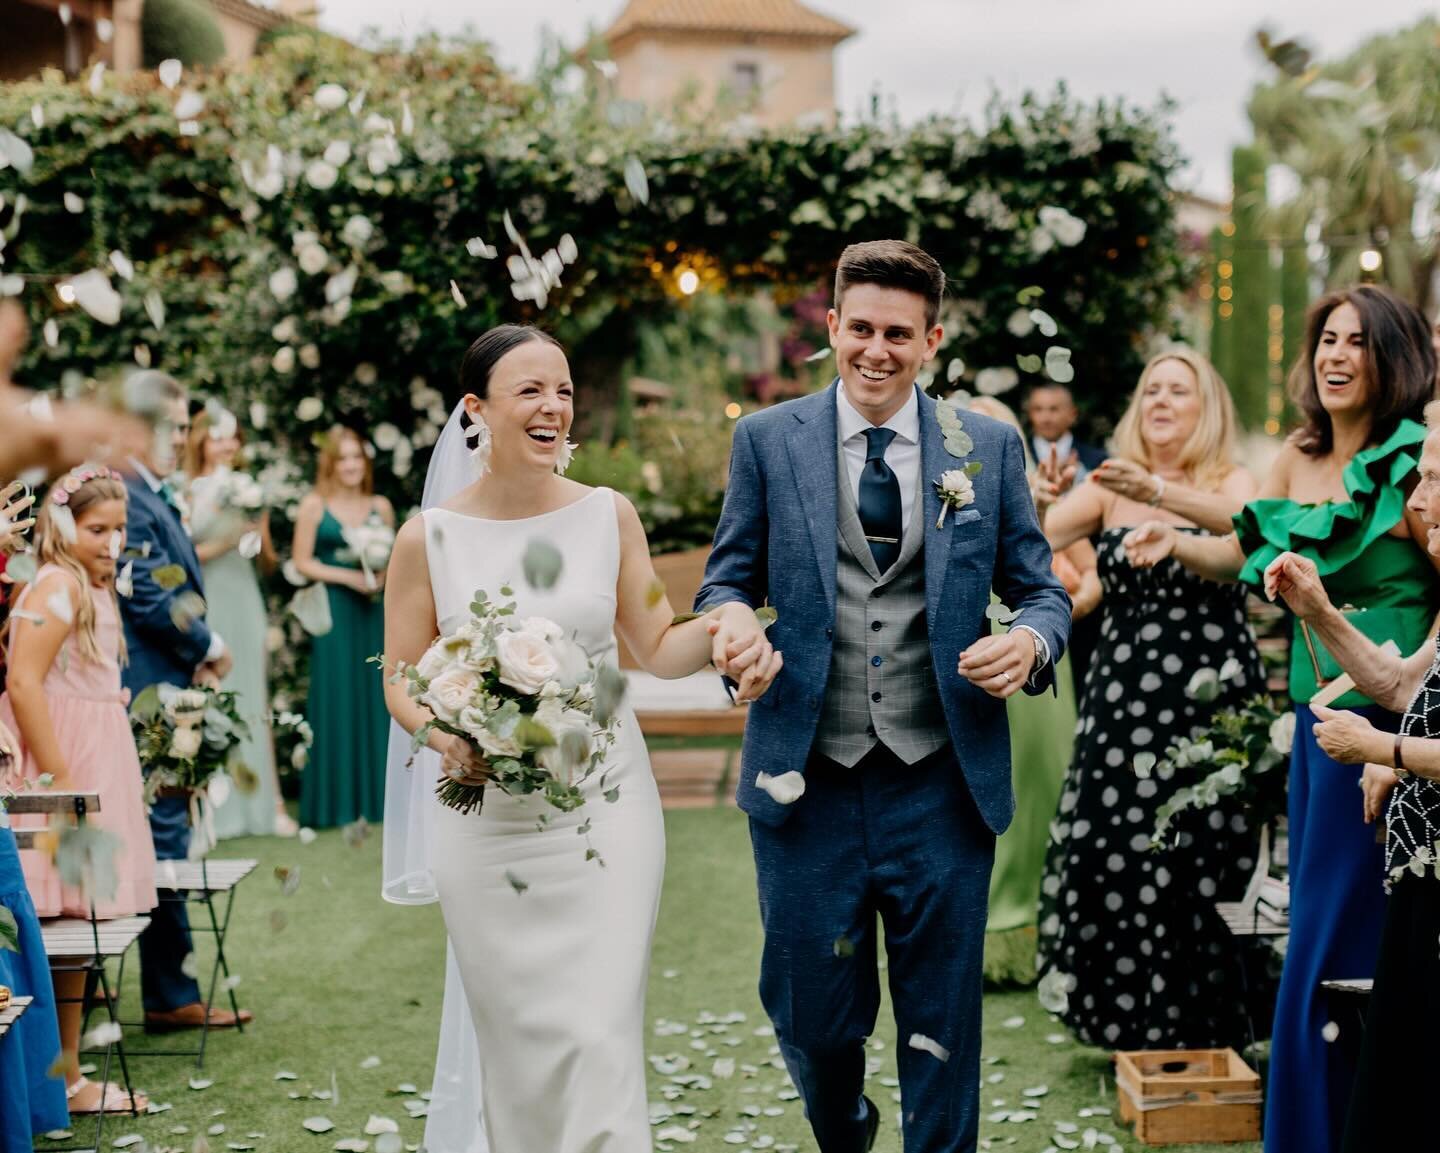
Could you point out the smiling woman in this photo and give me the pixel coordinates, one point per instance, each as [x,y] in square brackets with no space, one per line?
[1335,496]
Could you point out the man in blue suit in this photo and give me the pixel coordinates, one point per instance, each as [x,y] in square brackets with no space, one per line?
[876,770]
[168,642]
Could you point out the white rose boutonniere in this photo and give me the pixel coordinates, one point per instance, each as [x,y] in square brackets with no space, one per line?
[956,489]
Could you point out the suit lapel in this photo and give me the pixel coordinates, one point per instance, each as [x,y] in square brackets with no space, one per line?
[813,462]
[851,530]
[933,461]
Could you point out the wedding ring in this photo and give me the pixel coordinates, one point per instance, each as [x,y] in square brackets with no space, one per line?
[1009,680]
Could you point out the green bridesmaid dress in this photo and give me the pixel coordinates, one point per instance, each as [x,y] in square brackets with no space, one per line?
[345,776]
[1042,737]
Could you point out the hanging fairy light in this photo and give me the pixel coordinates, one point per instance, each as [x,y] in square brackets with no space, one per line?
[687,280]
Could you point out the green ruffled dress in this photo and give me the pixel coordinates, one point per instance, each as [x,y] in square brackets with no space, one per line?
[1387,580]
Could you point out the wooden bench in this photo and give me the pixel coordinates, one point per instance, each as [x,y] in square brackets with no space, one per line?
[12,1013]
[1249,926]
[201,883]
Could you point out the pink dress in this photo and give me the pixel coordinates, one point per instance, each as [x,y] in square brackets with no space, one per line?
[88,712]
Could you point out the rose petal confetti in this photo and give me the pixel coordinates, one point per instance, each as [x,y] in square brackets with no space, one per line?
[785,789]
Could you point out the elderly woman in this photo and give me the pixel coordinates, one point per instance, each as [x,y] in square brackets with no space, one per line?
[1134,928]
[1390,1107]
[1336,495]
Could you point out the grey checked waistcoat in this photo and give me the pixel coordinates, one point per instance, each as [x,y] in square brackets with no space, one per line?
[882,682]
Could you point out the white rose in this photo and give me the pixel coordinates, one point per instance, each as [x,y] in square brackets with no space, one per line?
[492,744]
[958,487]
[542,627]
[450,692]
[573,734]
[185,743]
[433,663]
[526,661]
[1282,733]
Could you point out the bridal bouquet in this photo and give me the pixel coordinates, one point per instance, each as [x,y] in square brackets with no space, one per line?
[186,737]
[525,696]
[370,543]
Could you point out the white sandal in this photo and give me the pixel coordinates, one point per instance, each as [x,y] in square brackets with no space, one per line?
[113,1099]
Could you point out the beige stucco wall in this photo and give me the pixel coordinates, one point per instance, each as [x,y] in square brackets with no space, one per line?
[797,78]
[240,38]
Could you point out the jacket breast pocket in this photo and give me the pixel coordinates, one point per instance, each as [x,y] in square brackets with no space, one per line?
[964,516]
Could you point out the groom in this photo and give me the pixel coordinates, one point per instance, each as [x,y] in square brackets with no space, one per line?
[890,711]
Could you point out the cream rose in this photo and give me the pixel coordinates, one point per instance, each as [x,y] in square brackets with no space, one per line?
[546,630]
[526,661]
[450,692]
[185,743]
[433,663]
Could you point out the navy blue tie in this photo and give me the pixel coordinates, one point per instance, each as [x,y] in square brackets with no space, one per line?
[880,510]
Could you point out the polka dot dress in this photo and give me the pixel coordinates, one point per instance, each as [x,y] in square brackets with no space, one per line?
[1135,927]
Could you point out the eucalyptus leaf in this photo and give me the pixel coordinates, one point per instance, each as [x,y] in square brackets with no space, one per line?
[974,468]
[1029,363]
[21,568]
[767,615]
[169,577]
[541,564]
[681,618]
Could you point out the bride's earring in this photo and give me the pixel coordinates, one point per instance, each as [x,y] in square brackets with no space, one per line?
[563,457]
[478,438]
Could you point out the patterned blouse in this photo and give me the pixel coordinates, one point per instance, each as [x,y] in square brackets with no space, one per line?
[1413,817]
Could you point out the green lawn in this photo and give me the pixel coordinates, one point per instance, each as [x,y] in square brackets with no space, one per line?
[338,979]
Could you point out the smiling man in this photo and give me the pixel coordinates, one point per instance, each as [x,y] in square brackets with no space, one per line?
[876,771]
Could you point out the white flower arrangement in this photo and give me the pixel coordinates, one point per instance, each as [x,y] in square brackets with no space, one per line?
[526,697]
[370,543]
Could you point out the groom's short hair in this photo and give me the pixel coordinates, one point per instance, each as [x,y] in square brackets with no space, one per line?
[892,264]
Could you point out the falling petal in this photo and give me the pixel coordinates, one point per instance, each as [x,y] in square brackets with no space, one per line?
[37,115]
[926,1045]
[12,285]
[636,181]
[97,78]
[170,72]
[1044,322]
[125,581]
[122,266]
[477,247]
[189,105]
[329,97]
[17,152]
[51,332]
[457,295]
[249,546]
[104,30]
[818,354]
[407,120]
[1331,1031]
[568,250]
[74,203]
[785,789]
[155,308]
[93,292]
[199,1084]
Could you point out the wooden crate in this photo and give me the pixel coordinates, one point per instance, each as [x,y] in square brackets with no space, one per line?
[1182,1096]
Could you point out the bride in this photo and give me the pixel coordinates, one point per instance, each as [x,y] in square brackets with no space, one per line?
[548,950]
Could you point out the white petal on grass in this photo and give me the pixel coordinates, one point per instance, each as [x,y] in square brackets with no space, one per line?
[370,1063]
[351,1145]
[389,1143]
[170,72]
[94,293]
[330,97]
[189,105]
[126,1141]
[377,1125]
[926,1045]
[73,203]
[1013,1022]
[785,789]
[200,1084]
[318,1124]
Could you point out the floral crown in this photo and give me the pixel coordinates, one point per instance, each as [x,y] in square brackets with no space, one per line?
[69,484]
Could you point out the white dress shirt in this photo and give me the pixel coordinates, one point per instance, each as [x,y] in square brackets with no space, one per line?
[903,455]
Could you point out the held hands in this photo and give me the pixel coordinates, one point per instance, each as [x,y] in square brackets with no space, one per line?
[740,651]
[12,530]
[1297,580]
[1126,478]
[1378,782]
[462,763]
[1347,736]
[1150,543]
[1000,664]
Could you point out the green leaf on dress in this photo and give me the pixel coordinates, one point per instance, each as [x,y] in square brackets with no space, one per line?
[169,577]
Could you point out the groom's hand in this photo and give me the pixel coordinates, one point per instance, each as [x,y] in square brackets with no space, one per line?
[740,651]
[1000,664]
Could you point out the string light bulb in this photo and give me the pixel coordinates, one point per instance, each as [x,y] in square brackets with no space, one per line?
[688,281]
[1370,260]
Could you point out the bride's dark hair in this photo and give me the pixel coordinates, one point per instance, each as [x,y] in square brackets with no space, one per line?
[482,357]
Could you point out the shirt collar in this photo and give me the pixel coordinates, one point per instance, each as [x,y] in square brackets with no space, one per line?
[1062,447]
[905,423]
[154,483]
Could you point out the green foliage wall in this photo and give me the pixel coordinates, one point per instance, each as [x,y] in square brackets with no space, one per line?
[363,201]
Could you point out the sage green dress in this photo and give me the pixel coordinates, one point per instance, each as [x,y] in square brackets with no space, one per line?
[345,776]
[1042,738]
[235,608]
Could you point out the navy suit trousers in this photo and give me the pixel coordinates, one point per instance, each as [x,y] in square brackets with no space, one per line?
[166,942]
[904,845]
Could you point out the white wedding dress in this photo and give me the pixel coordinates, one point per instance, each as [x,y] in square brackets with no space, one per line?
[553,950]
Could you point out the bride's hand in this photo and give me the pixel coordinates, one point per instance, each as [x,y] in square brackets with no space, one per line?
[461,763]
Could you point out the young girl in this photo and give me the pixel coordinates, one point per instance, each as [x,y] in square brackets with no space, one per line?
[64,702]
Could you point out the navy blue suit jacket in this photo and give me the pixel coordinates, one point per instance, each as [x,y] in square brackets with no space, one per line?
[777,541]
[160,650]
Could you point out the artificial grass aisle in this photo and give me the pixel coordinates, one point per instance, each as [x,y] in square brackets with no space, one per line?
[335,977]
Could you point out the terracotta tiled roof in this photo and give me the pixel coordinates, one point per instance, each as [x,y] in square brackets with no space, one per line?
[753,17]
